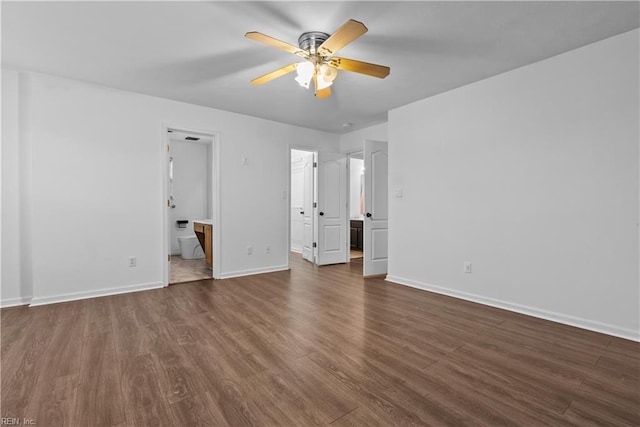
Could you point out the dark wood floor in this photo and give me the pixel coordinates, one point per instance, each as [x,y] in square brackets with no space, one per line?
[310,346]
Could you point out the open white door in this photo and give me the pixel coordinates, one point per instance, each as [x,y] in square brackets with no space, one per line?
[307,207]
[376,207]
[332,208]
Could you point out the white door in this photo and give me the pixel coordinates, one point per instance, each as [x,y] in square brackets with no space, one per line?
[332,208]
[376,208]
[307,207]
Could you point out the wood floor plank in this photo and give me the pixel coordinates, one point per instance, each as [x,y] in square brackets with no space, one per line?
[99,401]
[309,346]
[65,347]
[360,417]
[543,388]
[479,394]
[595,412]
[21,373]
[276,400]
[128,337]
[197,411]
[98,318]
[53,400]
[145,404]
[318,389]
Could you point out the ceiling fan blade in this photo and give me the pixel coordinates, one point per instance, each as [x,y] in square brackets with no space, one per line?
[274,74]
[268,40]
[320,93]
[344,35]
[324,93]
[352,65]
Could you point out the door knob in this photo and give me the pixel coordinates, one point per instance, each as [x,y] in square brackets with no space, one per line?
[321,213]
[301,212]
[368,214]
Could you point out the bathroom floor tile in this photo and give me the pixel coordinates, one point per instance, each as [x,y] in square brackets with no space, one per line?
[187,270]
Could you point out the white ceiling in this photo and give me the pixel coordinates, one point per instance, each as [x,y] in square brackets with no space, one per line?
[196,51]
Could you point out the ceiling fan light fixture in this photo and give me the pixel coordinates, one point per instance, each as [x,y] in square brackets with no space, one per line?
[322,83]
[321,65]
[305,73]
[328,72]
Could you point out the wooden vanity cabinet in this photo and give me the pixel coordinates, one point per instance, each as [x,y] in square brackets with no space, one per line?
[204,233]
[357,234]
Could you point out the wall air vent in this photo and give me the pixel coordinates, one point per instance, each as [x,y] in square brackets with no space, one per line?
[191,138]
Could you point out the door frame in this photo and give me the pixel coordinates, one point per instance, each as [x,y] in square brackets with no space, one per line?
[288,216]
[349,157]
[215,197]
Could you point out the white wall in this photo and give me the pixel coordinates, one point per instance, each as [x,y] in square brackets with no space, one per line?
[191,188]
[355,172]
[532,176]
[13,290]
[353,142]
[93,169]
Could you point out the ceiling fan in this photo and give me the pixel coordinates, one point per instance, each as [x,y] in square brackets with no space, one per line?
[320,65]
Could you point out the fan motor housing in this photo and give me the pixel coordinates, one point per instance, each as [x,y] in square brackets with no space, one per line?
[311,40]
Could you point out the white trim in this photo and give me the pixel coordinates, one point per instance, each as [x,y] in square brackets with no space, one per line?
[93,294]
[254,271]
[215,197]
[13,302]
[288,216]
[523,309]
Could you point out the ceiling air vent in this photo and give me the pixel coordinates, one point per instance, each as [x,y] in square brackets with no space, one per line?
[191,138]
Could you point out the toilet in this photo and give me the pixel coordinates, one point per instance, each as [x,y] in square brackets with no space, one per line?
[190,247]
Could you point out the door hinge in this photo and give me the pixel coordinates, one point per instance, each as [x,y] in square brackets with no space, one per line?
[315,245]
[168,202]
[168,148]
[169,257]
[315,164]
[315,205]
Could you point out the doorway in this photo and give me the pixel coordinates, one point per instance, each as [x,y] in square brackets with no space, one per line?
[318,215]
[356,205]
[348,212]
[191,193]
[302,206]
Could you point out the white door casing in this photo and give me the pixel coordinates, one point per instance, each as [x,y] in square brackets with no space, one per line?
[332,208]
[376,208]
[297,193]
[307,207]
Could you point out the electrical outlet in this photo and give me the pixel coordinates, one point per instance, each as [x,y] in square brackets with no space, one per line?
[249,250]
[467,267]
[133,261]
[268,249]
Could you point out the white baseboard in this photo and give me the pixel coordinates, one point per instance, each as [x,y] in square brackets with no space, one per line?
[93,294]
[13,302]
[566,319]
[253,271]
